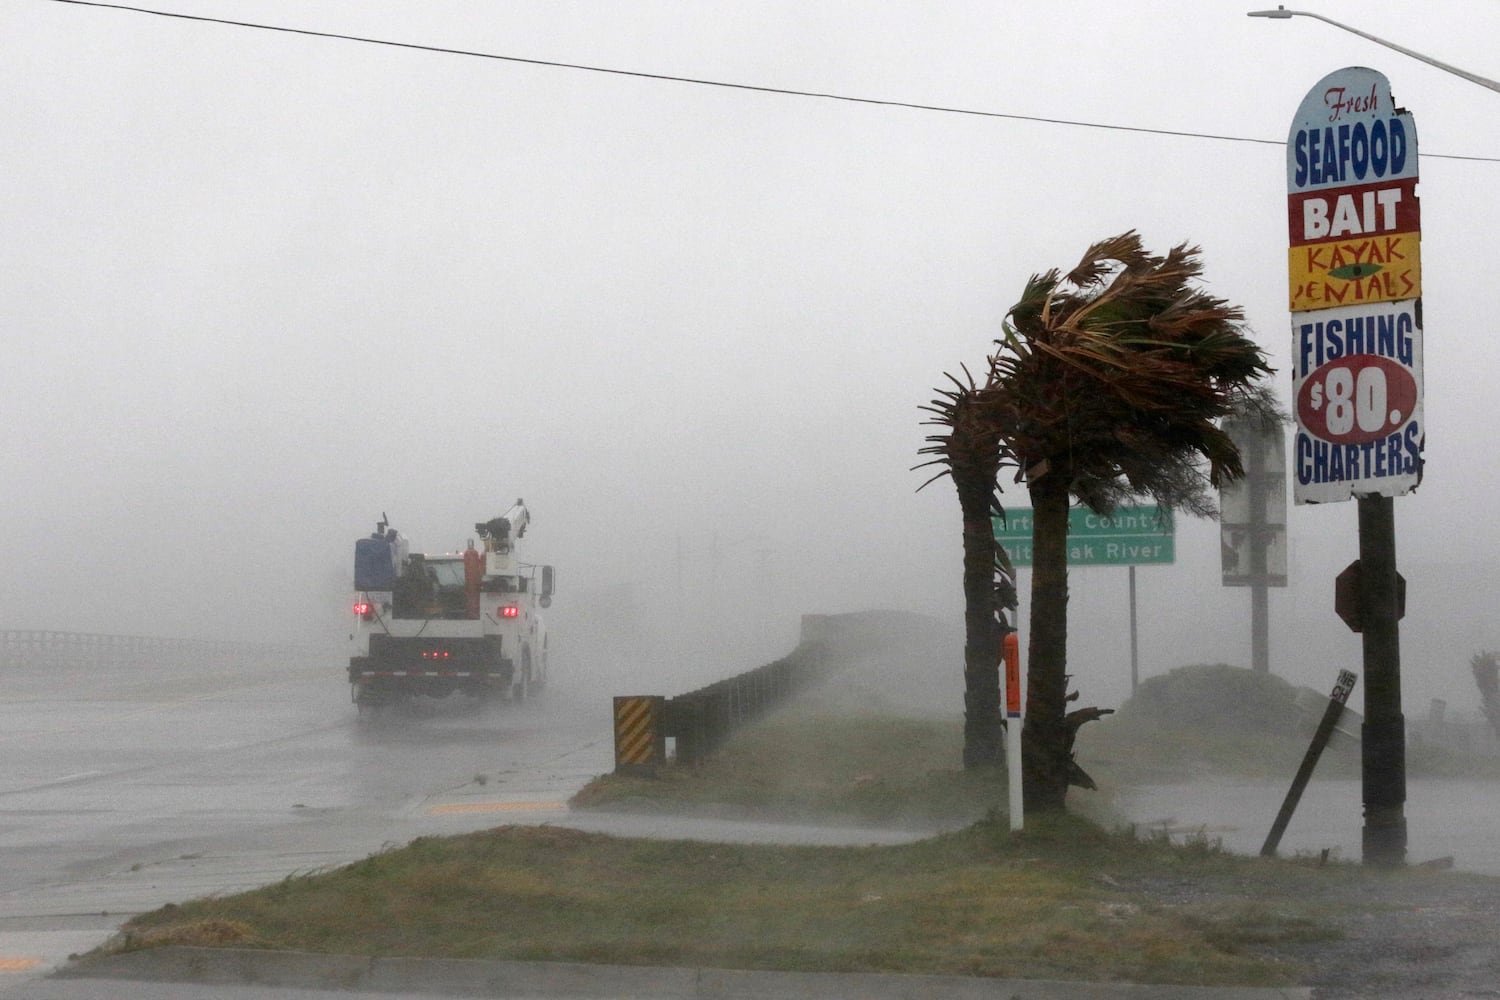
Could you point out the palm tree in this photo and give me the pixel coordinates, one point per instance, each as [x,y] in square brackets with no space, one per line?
[1107,385]
[971,453]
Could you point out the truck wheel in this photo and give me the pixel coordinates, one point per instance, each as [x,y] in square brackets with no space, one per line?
[366,704]
[522,688]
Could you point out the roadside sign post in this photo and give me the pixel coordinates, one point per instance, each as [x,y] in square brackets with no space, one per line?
[1383,736]
[1013,701]
[1321,736]
[1355,287]
[1135,648]
[1252,527]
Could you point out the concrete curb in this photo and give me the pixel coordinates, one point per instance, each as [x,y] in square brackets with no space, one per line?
[472,978]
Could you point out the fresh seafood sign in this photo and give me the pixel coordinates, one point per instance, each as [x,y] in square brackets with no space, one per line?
[1354,272]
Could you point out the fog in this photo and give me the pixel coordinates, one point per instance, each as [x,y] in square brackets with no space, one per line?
[261,287]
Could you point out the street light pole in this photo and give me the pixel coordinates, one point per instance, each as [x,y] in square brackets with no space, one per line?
[1281,14]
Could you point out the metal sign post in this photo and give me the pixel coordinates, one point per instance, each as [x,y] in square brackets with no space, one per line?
[1324,733]
[1252,526]
[1383,737]
[1135,646]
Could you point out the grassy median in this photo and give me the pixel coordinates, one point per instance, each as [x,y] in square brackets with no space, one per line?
[1065,899]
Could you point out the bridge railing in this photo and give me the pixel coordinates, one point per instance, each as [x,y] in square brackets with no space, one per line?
[700,721]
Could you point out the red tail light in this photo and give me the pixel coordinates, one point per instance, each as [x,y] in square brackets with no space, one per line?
[362,608]
[509,611]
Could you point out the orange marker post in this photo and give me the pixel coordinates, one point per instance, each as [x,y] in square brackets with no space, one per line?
[1011,655]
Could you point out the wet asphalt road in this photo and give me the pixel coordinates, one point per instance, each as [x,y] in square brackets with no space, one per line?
[123,791]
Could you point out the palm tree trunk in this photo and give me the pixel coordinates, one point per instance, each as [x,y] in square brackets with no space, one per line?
[983,738]
[1046,739]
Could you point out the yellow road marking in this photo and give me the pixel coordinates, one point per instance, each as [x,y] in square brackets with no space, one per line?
[123,714]
[451,808]
[18,964]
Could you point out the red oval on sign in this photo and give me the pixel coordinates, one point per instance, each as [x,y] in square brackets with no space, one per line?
[1359,398]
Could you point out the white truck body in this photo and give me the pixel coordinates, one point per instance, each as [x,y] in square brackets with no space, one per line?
[434,625]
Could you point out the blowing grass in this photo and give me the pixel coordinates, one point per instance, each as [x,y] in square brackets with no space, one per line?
[1061,901]
[830,767]
[837,757]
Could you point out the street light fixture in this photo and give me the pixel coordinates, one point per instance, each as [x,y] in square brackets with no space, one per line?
[1282,14]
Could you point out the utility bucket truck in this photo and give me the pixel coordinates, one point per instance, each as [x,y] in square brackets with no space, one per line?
[461,621]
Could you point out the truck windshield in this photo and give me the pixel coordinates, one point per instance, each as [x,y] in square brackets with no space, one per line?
[431,588]
[446,573]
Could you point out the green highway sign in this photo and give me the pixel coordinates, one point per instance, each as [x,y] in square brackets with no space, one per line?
[1131,536]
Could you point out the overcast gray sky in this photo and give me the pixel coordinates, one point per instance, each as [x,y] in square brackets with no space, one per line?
[259,287]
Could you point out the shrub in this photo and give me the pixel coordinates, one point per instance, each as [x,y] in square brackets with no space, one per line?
[1214,696]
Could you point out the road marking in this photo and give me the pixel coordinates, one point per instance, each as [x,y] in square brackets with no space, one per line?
[453,808]
[18,964]
[123,714]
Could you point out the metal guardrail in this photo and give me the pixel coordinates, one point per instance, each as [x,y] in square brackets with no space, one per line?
[700,721]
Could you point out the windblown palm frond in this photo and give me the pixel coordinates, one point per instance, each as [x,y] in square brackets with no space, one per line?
[1115,374]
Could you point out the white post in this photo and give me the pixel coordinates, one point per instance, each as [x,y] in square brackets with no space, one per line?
[1013,729]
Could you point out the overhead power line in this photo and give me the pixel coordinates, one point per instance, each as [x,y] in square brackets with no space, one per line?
[702,82]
